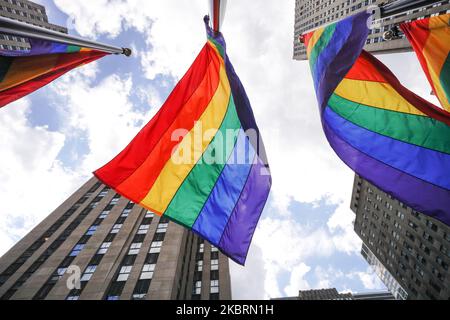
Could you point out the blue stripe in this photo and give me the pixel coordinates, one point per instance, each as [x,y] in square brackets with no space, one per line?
[214,216]
[327,56]
[428,165]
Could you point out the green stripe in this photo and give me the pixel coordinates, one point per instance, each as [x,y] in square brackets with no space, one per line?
[323,41]
[218,46]
[193,193]
[71,49]
[5,63]
[414,129]
[445,78]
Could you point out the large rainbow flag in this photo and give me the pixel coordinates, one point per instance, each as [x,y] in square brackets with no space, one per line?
[430,38]
[200,161]
[23,72]
[384,132]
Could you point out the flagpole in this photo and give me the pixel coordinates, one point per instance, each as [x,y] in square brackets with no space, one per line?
[217,8]
[392,10]
[17,28]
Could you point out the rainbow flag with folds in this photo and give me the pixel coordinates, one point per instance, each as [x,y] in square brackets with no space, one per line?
[430,39]
[200,161]
[384,132]
[23,72]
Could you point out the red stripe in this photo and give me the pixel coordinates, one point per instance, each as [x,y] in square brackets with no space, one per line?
[364,70]
[417,33]
[142,180]
[65,63]
[134,155]
[423,105]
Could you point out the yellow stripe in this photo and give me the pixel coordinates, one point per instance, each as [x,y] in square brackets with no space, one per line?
[173,174]
[436,51]
[375,94]
[312,42]
[25,69]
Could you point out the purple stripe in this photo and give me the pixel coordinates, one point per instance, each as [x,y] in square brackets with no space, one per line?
[417,194]
[355,36]
[238,233]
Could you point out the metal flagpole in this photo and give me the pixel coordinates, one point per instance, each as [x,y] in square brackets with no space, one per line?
[402,6]
[17,28]
[387,10]
[217,8]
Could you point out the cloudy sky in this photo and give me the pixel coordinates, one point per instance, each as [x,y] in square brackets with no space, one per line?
[52,140]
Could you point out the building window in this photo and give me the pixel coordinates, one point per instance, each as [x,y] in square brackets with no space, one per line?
[125,212]
[201,248]
[155,247]
[134,248]
[197,289]
[87,275]
[199,265]
[214,286]
[143,229]
[124,273]
[149,214]
[214,249]
[76,250]
[141,289]
[104,214]
[116,228]
[162,228]
[91,230]
[73,297]
[104,247]
[147,272]
[215,264]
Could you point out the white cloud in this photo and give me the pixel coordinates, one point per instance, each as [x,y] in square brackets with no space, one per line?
[297,281]
[33,181]
[369,279]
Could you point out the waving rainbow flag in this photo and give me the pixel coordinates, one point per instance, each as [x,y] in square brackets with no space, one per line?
[430,39]
[23,72]
[200,161]
[384,132]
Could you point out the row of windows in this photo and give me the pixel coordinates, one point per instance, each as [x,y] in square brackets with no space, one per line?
[95,261]
[46,288]
[43,238]
[53,246]
[144,281]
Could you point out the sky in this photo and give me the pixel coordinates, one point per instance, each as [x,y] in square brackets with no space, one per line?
[52,140]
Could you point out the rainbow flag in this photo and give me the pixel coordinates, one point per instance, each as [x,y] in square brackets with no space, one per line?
[384,132]
[430,39]
[23,72]
[200,161]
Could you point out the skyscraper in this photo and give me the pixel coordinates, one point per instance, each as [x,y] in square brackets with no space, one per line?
[333,294]
[311,14]
[409,251]
[116,249]
[28,12]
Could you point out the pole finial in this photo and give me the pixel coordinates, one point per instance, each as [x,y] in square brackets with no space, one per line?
[127,51]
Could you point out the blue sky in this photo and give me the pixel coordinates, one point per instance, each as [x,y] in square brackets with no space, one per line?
[53,139]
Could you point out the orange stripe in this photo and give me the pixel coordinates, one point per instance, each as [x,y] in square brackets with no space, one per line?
[138,184]
[24,69]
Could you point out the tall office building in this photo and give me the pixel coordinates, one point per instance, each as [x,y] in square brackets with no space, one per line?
[117,250]
[28,12]
[333,294]
[409,251]
[311,14]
